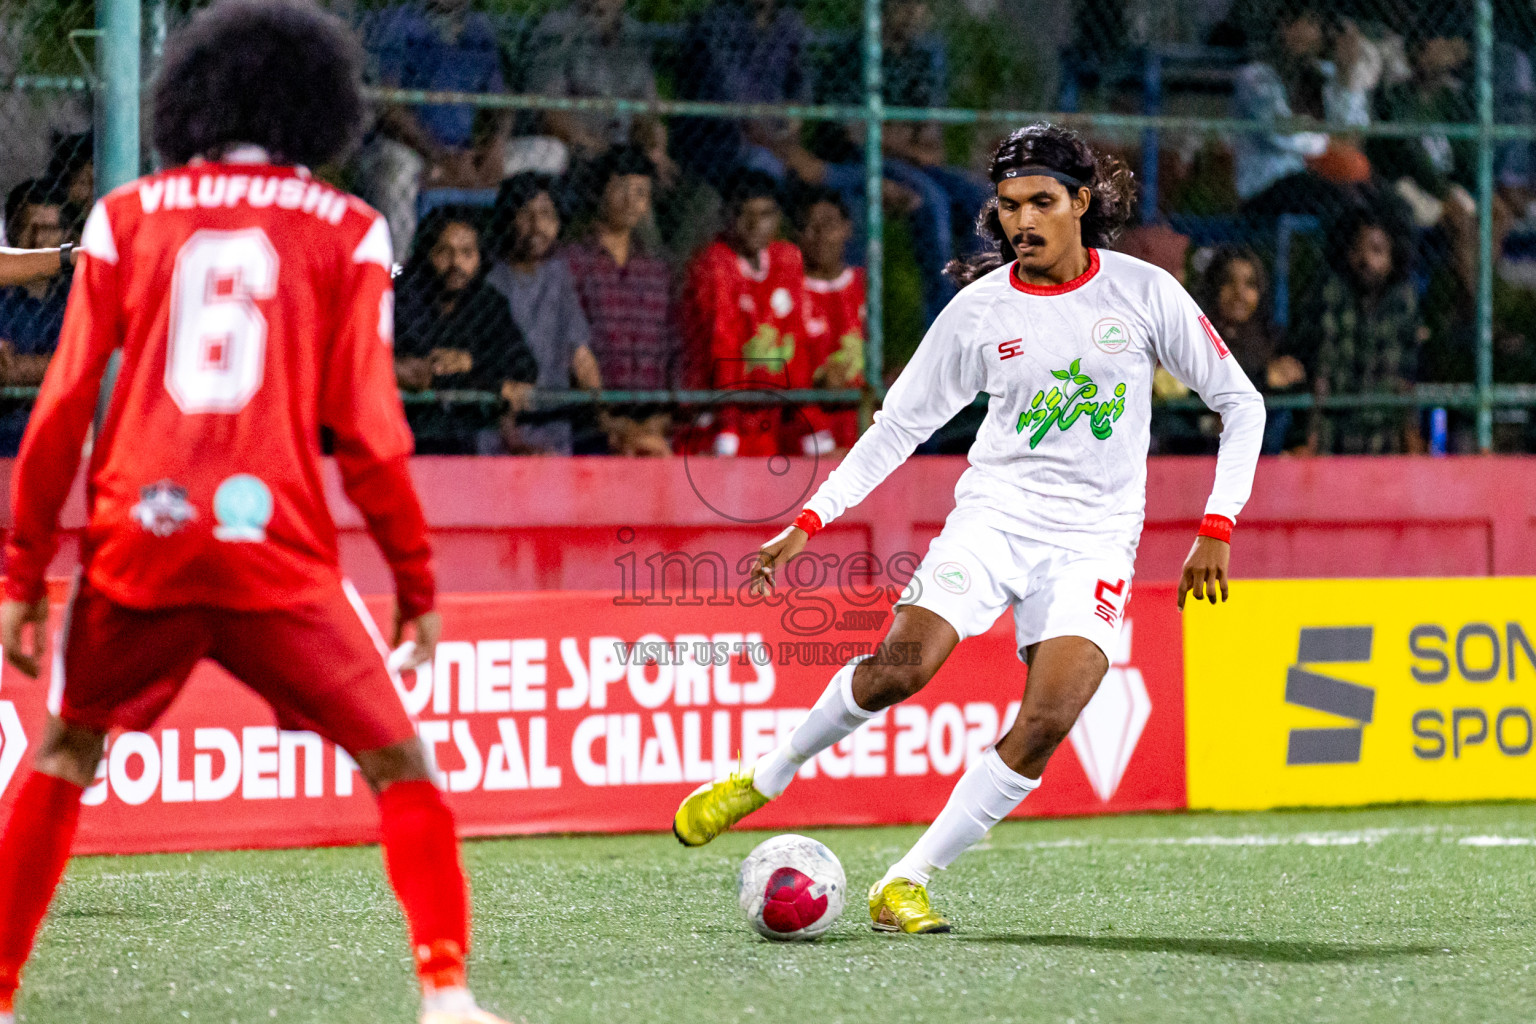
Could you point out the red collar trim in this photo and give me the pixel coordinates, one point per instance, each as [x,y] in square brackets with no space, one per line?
[1056,289]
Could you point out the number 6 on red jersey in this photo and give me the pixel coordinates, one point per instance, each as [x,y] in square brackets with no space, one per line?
[216,353]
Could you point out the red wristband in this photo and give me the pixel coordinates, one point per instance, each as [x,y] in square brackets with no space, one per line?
[808,521]
[1216,526]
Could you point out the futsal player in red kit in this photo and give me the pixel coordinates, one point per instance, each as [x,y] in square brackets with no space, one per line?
[252,307]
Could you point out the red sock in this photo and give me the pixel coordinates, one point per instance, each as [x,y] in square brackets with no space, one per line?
[421,856]
[32,858]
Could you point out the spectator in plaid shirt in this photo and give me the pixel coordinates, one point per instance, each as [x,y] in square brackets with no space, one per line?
[625,293]
[1362,330]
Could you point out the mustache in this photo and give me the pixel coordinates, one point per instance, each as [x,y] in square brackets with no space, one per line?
[1029,236]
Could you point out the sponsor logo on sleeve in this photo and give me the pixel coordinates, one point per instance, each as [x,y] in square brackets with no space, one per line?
[1210,332]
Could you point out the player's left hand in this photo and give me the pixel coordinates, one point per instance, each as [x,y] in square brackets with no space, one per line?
[428,627]
[1205,570]
[15,616]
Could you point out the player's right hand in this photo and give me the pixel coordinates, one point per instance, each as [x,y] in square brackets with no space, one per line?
[774,554]
[428,627]
[15,616]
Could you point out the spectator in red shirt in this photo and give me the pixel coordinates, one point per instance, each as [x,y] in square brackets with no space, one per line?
[835,317]
[625,293]
[743,316]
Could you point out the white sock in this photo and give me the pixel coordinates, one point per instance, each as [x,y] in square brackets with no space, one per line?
[984,796]
[448,1000]
[835,716]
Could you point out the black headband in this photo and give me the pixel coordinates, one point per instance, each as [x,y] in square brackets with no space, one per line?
[1032,170]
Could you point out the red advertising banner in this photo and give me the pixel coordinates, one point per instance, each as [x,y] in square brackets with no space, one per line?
[582,712]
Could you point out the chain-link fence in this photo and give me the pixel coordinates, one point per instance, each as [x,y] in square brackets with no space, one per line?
[646,226]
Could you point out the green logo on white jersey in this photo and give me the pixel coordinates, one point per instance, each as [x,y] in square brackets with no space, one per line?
[1063,410]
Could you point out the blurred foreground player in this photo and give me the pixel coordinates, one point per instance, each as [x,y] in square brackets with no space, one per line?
[252,307]
[1064,336]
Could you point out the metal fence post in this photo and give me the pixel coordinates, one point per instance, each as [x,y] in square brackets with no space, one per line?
[117,97]
[1485,225]
[874,114]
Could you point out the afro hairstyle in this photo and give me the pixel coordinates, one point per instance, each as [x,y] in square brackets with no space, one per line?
[280,74]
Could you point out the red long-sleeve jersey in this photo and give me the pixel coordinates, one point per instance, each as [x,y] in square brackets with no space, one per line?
[742,326]
[835,316]
[253,308]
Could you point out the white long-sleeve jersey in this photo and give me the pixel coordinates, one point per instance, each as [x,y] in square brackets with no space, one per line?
[1062,454]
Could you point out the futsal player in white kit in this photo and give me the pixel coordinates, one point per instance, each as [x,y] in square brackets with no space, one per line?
[1063,335]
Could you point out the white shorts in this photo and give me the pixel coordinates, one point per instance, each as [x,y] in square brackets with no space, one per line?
[973,571]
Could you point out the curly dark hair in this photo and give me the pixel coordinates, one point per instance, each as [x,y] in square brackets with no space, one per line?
[1374,211]
[515,193]
[280,74]
[1060,149]
[418,267]
[1209,287]
[746,184]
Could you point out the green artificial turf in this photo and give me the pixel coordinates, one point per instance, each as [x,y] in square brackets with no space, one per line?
[1391,914]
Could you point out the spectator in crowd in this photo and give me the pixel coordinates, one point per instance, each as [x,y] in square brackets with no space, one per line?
[741,51]
[1360,333]
[625,293]
[32,313]
[835,318]
[1294,76]
[592,49]
[1450,355]
[1431,170]
[1514,97]
[71,173]
[452,332]
[940,201]
[541,297]
[440,45]
[1174,431]
[1235,293]
[743,315]
[32,306]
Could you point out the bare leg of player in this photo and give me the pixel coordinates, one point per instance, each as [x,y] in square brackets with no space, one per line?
[860,690]
[916,646]
[1064,674]
[36,844]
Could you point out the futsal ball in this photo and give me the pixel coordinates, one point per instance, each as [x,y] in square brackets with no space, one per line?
[791,888]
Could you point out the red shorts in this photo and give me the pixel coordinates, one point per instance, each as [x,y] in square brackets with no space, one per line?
[316,664]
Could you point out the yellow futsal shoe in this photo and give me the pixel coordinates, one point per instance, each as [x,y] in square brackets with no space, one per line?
[714,807]
[900,906]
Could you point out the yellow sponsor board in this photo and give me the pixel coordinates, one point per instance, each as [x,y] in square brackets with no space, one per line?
[1340,692]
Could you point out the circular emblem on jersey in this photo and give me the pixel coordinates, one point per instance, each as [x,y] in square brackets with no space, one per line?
[781,302]
[243,507]
[952,576]
[1110,335]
